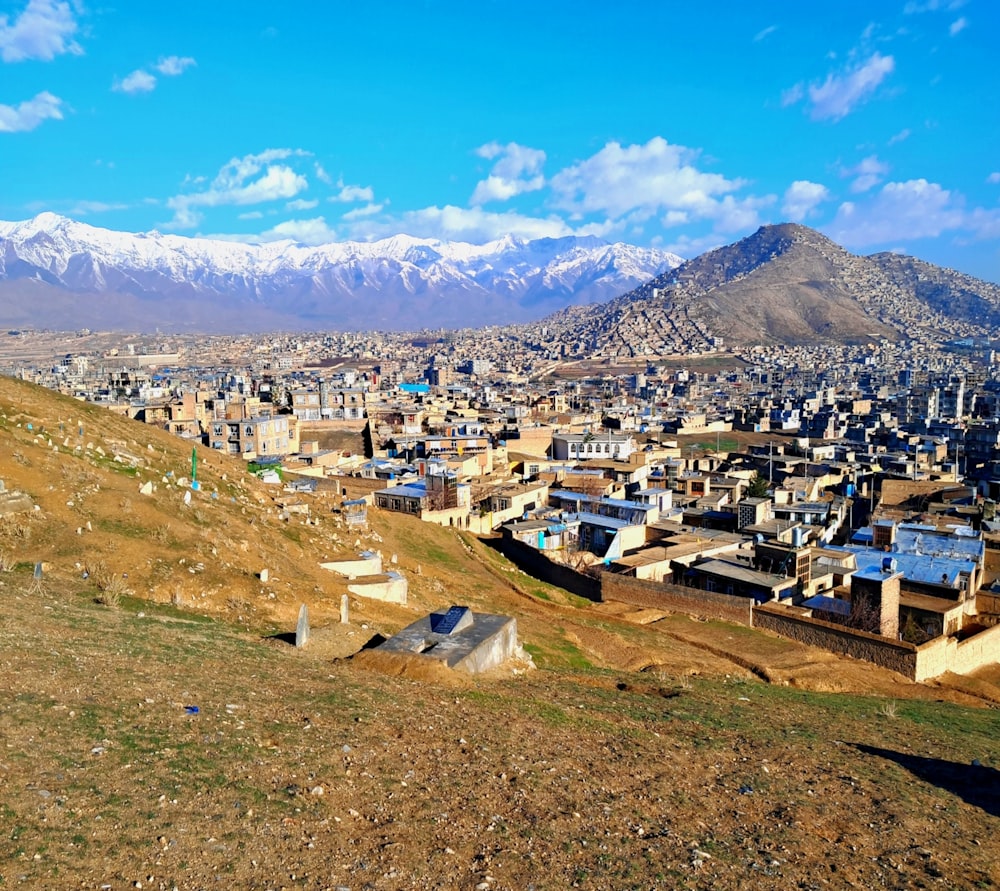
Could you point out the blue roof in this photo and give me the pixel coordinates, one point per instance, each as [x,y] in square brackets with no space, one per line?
[926,541]
[407,490]
[828,604]
[915,567]
[604,522]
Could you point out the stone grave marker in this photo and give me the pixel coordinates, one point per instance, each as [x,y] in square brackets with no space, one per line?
[458,618]
[302,628]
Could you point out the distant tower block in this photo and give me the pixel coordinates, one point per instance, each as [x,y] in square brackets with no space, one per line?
[356,512]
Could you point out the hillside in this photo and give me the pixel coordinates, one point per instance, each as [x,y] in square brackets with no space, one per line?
[643,751]
[784,284]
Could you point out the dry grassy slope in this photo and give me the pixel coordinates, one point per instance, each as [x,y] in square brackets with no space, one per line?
[299,772]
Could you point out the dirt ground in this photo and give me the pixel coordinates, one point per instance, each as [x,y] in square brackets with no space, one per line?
[302,771]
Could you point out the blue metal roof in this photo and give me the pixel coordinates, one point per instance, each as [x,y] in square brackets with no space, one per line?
[828,604]
[603,522]
[915,567]
[407,490]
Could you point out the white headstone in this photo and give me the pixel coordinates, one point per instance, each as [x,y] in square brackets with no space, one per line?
[344,617]
[302,628]
[146,488]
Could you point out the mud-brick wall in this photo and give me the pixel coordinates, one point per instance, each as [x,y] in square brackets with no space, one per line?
[895,655]
[674,598]
[536,564]
[947,654]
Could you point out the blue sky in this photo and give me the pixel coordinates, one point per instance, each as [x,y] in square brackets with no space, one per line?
[683,126]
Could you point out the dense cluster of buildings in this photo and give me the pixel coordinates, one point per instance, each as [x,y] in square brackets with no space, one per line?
[862,494]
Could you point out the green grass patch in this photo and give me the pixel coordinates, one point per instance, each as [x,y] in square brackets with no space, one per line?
[558,653]
[116,526]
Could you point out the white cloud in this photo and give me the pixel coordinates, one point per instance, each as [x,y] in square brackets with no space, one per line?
[349,194]
[867,173]
[902,135]
[517,170]
[766,32]
[252,179]
[959,25]
[42,31]
[452,223]
[792,95]
[993,177]
[915,7]
[311,232]
[302,204]
[141,81]
[82,208]
[278,181]
[840,93]
[138,81]
[30,113]
[686,246]
[369,210]
[171,66]
[321,174]
[802,198]
[985,223]
[913,209]
[654,178]
[250,215]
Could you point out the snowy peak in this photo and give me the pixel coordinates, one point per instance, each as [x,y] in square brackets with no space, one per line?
[399,282]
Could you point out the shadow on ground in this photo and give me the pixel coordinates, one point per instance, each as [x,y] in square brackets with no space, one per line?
[974,783]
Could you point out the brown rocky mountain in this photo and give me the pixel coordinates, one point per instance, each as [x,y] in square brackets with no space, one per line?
[785,284]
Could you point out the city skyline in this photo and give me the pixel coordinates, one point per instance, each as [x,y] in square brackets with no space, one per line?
[671,127]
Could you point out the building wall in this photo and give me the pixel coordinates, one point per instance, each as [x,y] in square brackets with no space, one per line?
[896,656]
[537,565]
[947,654]
[674,598]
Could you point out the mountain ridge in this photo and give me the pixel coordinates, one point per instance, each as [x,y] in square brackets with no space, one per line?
[396,283]
[784,284]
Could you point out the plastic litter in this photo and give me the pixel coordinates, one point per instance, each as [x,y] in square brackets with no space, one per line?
[191,709]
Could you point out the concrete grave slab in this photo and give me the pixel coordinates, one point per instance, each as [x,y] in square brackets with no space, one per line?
[462,640]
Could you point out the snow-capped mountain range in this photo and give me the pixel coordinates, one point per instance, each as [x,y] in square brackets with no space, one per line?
[58,273]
